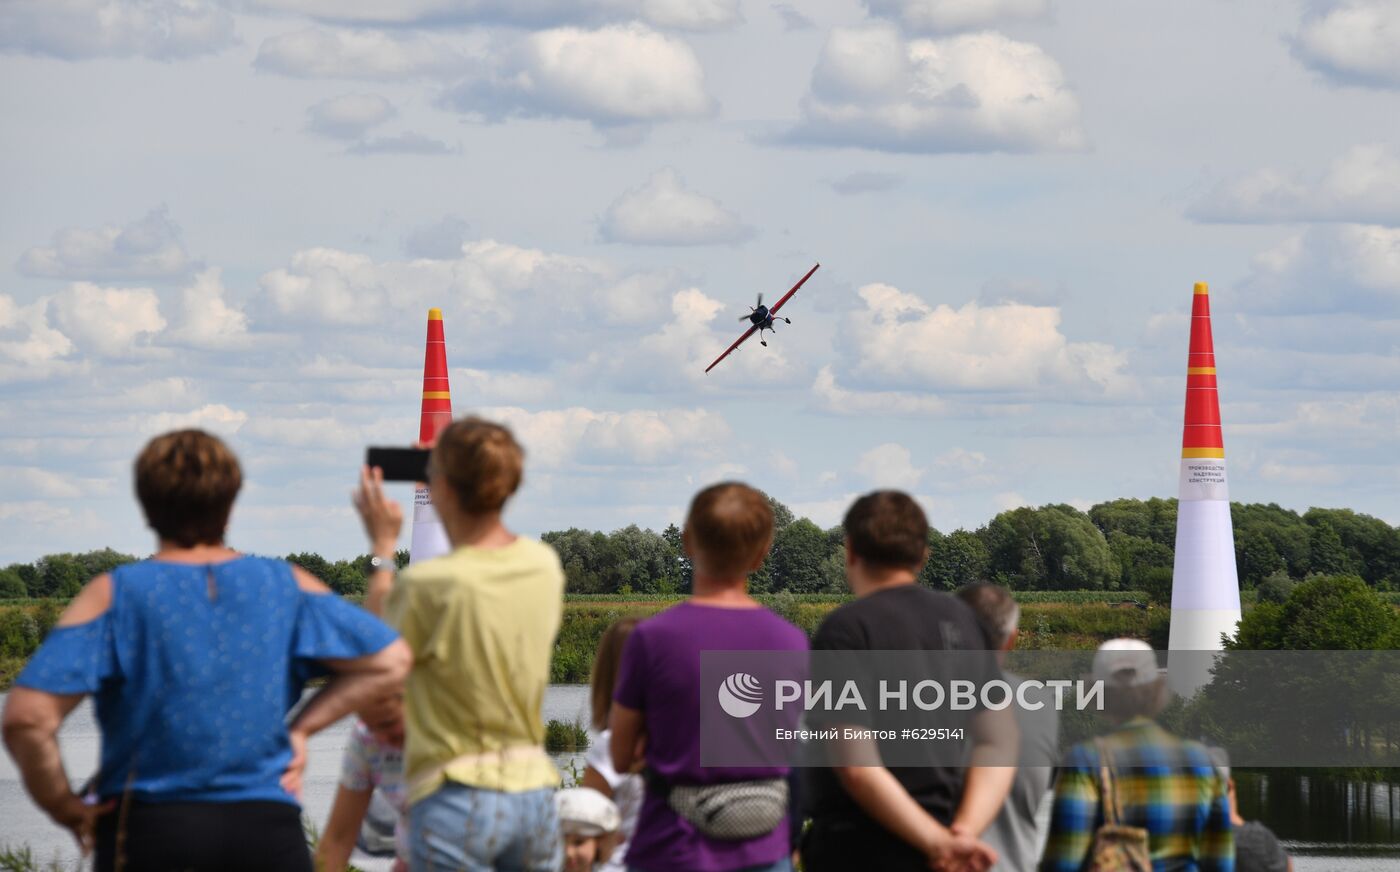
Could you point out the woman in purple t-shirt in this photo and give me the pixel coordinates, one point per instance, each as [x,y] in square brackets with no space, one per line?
[657,702]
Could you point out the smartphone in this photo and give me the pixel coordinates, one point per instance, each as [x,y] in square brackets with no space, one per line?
[400,464]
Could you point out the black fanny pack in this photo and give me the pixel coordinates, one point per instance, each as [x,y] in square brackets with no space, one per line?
[730,811]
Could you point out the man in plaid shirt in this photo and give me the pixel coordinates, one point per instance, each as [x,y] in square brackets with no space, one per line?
[1166,785]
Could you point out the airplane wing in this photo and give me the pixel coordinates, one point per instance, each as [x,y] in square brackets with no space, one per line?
[737,342]
[789,294]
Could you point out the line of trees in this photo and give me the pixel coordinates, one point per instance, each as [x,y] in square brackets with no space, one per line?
[1124,544]
[63,575]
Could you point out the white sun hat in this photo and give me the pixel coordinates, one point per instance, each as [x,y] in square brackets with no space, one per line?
[584,811]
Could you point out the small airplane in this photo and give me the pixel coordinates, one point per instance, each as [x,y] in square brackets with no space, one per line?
[762,318]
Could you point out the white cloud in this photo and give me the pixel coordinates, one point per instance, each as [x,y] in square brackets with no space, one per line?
[615,75]
[330,286]
[662,211]
[897,341]
[682,14]
[635,300]
[1335,268]
[110,322]
[692,14]
[37,513]
[949,16]
[1009,500]
[29,345]
[889,466]
[824,513]
[1358,421]
[347,379]
[81,29]
[375,55]
[674,356]
[830,397]
[214,417]
[27,482]
[1006,289]
[147,248]
[975,92]
[778,462]
[1352,41]
[207,320]
[828,513]
[321,432]
[506,289]
[961,461]
[579,436]
[157,393]
[1361,187]
[349,116]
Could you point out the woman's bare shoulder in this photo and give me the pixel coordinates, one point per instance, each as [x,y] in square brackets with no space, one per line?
[90,604]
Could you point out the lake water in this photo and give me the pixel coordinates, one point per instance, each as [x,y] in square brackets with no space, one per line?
[1329,825]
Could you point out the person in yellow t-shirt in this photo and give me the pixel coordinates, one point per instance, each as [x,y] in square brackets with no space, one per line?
[481,621]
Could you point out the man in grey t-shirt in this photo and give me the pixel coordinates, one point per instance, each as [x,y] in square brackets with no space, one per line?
[1014,834]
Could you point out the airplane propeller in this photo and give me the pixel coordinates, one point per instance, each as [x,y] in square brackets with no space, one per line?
[753,308]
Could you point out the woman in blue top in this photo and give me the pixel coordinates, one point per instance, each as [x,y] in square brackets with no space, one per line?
[194,658]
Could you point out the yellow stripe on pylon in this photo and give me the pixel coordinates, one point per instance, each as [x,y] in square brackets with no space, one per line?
[1200,370]
[437,395]
[1194,453]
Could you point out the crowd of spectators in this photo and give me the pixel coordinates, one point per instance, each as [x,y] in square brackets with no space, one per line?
[210,669]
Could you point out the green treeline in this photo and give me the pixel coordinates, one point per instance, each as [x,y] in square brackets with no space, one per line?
[61,576]
[1120,545]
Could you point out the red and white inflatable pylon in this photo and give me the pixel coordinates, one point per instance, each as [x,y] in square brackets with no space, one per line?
[429,538]
[1205,585]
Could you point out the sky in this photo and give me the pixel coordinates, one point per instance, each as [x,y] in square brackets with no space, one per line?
[235,214]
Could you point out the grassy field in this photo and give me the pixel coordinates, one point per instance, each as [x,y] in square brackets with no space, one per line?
[1049,620]
[1055,625]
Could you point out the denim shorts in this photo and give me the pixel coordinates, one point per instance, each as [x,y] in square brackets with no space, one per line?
[469,829]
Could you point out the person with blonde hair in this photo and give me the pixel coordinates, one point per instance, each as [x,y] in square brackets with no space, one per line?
[481,621]
[194,657]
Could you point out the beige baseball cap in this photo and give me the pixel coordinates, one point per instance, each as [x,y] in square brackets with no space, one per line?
[1125,662]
